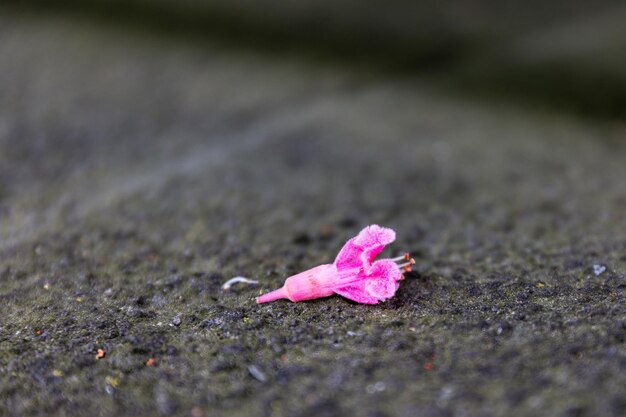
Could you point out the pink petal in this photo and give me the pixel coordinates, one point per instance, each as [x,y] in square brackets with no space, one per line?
[380,283]
[356,292]
[375,235]
[385,269]
[381,289]
[349,256]
[382,279]
[362,249]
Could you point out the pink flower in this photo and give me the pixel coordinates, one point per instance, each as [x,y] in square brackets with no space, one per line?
[353,275]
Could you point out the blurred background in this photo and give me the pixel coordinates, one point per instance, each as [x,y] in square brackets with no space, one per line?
[563,54]
[152,149]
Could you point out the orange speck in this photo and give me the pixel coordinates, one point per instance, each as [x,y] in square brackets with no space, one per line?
[38,332]
[100,353]
[428,366]
[150,362]
[326,230]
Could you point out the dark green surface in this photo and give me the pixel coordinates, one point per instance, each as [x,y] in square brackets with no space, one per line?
[137,175]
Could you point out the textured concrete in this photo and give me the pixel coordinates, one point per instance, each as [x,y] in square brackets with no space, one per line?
[137,174]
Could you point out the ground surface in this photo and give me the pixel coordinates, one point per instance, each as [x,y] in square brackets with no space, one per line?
[138,174]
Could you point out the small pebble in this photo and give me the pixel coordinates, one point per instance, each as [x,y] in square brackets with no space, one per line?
[112,382]
[377,387]
[256,373]
[445,395]
[598,269]
[208,323]
[176,321]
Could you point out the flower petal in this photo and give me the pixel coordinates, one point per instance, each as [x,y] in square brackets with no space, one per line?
[375,235]
[356,292]
[382,279]
[385,269]
[349,256]
[381,289]
[380,283]
[362,249]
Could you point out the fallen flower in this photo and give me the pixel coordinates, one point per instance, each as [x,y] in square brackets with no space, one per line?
[353,275]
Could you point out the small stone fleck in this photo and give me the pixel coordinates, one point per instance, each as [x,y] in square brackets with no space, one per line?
[598,269]
[112,382]
[377,387]
[176,321]
[256,373]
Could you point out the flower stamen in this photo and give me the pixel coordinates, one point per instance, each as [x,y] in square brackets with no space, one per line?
[407,265]
[405,257]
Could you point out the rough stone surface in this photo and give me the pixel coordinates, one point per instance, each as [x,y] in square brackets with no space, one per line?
[138,174]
